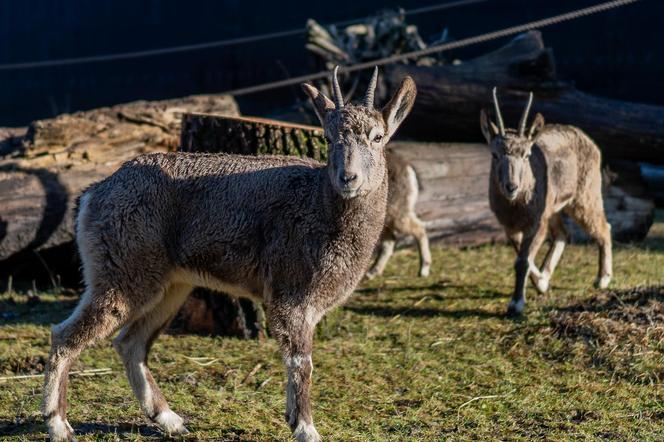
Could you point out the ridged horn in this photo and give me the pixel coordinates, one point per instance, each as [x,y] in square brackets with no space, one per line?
[499,116]
[369,97]
[336,89]
[524,117]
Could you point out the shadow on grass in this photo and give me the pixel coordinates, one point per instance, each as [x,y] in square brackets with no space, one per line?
[438,291]
[436,286]
[416,312]
[35,311]
[30,426]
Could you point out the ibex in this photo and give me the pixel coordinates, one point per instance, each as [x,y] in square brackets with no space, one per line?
[295,234]
[536,176]
[401,218]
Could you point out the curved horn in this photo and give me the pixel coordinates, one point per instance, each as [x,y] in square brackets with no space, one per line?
[369,97]
[499,116]
[524,117]
[336,89]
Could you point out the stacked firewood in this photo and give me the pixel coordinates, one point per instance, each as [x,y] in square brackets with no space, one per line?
[379,36]
[382,35]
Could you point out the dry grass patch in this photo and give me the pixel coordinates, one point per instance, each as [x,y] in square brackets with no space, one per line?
[621,329]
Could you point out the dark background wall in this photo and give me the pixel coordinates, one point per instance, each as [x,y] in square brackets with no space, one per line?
[618,54]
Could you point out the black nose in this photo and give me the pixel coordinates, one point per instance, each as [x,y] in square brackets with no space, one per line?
[511,187]
[349,178]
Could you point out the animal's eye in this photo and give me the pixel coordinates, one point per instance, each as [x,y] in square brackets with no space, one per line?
[378,138]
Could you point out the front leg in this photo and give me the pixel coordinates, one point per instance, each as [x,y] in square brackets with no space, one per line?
[294,331]
[525,264]
[536,276]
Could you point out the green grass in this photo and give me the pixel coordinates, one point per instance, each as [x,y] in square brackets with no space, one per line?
[405,359]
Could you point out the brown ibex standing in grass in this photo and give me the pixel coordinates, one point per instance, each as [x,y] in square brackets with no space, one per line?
[294,233]
[536,176]
[401,217]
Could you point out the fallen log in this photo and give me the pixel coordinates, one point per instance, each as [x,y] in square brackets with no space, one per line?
[450,98]
[46,166]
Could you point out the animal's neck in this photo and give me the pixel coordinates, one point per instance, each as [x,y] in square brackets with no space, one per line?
[363,215]
[527,185]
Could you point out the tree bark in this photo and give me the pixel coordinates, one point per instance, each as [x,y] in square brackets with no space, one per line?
[450,98]
[251,136]
[46,166]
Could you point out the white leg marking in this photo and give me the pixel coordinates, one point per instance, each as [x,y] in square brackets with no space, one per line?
[171,423]
[603,281]
[293,364]
[59,429]
[425,271]
[146,397]
[306,433]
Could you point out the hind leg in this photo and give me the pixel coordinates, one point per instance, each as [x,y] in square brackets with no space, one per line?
[605,272]
[386,250]
[559,237]
[133,344]
[420,233]
[592,219]
[98,315]
[600,230]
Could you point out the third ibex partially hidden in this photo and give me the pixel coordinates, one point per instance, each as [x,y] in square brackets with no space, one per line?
[536,176]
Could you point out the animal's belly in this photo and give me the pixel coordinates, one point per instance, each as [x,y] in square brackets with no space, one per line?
[205,280]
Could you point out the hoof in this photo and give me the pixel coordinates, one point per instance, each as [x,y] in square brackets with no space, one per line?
[425,272]
[370,275]
[542,285]
[306,433]
[59,430]
[515,308]
[603,282]
[171,423]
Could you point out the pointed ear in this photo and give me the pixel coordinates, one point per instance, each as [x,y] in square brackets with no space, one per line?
[322,104]
[489,130]
[537,126]
[399,106]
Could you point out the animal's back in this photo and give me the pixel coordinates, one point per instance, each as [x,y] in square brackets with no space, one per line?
[162,211]
[573,161]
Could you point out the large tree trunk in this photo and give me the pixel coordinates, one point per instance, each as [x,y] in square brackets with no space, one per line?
[44,168]
[450,97]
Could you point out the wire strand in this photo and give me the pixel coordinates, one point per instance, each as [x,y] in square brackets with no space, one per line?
[209,45]
[438,48]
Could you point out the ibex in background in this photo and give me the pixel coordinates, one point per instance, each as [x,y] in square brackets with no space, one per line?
[535,177]
[293,233]
[401,218]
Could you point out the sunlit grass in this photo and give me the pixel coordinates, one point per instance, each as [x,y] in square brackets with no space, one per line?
[406,359]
